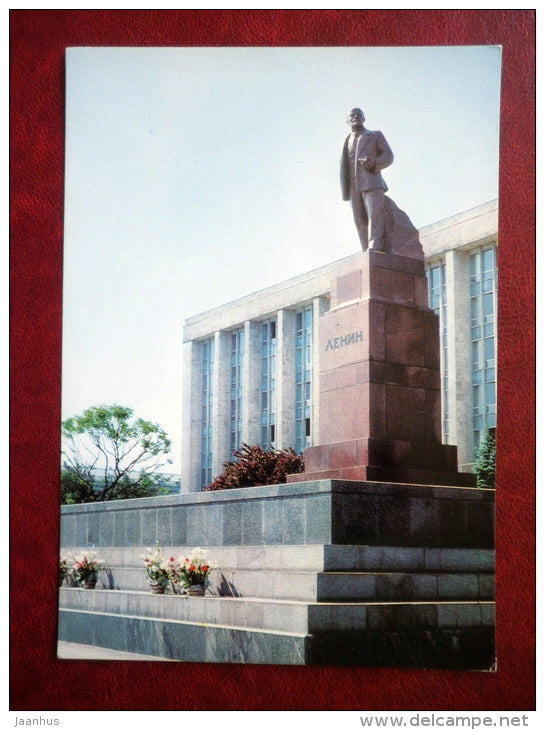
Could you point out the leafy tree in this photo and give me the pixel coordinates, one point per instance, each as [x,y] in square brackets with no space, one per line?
[255,467]
[106,456]
[485,462]
[74,489]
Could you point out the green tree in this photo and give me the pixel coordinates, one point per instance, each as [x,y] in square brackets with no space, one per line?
[255,466]
[485,461]
[109,455]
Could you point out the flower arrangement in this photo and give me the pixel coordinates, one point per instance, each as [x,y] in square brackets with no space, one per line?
[193,570]
[64,570]
[158,569]
[86,568]
[184,573]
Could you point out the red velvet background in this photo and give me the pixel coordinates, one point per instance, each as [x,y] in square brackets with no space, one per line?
[38,680]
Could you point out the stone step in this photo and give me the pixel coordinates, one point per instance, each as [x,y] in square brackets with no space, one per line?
[73,650]
[282,615]
[407,475]
[182,640]
[317,558]
[451,635]
[330,586]
[353,586]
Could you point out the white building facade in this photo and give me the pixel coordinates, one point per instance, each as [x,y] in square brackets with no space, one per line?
[250,366]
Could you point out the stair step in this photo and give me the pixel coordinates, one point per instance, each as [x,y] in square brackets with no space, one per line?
[277,615]
[317,557]
[333,586]
[182,640]
[349,586]
[393,637]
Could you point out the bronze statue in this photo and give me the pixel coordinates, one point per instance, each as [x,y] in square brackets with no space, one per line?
[365,153]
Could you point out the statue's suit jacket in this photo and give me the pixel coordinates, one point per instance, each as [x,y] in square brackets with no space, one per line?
[370,144]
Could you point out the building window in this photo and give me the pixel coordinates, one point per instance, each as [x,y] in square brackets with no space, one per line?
[437,300]
[303,378]
[237,353]
[206,411]
[268,383]
[482,293]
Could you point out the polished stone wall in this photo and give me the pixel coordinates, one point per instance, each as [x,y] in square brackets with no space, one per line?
[321,512]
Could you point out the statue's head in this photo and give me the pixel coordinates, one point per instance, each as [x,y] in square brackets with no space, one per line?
[355,117]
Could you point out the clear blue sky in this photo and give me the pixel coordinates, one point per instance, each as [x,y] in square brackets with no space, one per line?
[195,176]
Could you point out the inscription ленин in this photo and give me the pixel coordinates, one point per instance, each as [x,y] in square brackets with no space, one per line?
[344,341]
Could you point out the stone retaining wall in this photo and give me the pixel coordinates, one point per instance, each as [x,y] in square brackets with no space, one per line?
[320,512]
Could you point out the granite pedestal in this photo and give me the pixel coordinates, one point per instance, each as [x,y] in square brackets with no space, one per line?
[380,400]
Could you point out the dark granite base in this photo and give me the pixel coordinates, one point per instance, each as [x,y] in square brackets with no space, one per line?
[436,649]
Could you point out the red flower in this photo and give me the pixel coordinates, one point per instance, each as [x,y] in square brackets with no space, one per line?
[204,568]
[192,568]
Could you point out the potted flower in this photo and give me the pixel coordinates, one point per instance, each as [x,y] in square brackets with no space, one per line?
[158,569]
[63,569]
[85,570]
[193,572]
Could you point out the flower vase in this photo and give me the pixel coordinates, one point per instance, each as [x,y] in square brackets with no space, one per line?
[196,589]
[89,583]
[158,588]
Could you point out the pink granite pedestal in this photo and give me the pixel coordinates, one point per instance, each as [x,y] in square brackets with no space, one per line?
[380,402]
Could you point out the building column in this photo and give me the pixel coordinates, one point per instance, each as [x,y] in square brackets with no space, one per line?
[191,418]
[221,402]
[285,379]
[320,305]
[459,356]
[251,373]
